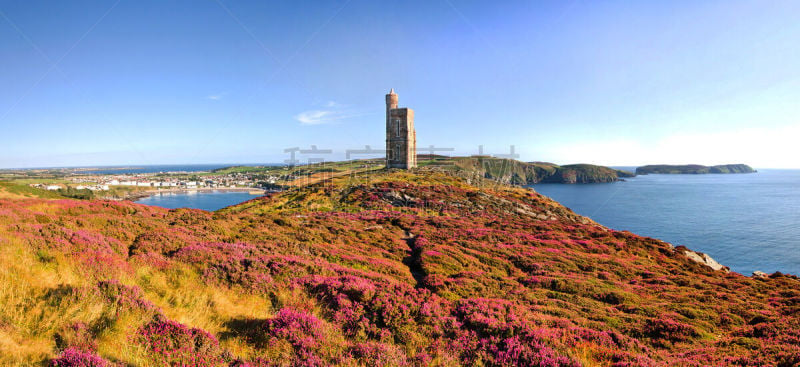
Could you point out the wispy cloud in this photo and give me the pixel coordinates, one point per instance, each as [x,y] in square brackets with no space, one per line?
[216,97]
[316,117]
[333,111]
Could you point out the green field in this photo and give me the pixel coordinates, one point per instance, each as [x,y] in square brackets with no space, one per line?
[16,188]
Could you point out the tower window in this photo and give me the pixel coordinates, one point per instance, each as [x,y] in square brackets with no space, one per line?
[397,124]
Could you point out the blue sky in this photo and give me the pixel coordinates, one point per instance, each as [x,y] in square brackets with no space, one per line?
[613,82]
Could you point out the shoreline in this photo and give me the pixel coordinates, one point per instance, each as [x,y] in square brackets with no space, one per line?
[137,195]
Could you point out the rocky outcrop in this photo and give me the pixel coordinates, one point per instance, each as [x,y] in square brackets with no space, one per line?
[704,259]
[758,274]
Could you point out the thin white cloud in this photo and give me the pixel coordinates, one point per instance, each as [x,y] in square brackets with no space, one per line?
[317,117]
[216,97]
[313,117]
[333,111]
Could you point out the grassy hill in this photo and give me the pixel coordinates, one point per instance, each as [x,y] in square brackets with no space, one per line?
[501,170]
[385,268]
[17,190]
[524,173]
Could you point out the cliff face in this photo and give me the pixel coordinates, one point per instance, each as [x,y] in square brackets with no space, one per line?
[586,173]
[526,173]
[693,169]
[397,268]
[731,168]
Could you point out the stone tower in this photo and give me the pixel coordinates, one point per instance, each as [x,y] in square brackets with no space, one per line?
[401,138]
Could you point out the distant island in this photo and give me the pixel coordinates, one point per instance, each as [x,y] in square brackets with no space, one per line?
[694,169]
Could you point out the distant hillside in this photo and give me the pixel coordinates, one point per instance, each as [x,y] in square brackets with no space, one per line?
[694,169]
[502,170]
[525,173]
[13,190]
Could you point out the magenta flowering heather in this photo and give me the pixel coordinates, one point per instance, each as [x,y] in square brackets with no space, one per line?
[125,298]
[72,357]
[669,329]
[76,336]
[378,354]
[174,344]
[296,326]
[441,272]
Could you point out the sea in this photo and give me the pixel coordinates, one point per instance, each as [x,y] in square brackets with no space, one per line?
[745,221]
[123,170]
[206,200]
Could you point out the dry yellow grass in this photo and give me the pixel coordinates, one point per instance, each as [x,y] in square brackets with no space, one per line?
[7,195]
[318,177]
[30,317]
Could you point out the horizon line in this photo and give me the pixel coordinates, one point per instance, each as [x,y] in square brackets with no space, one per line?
[230,164]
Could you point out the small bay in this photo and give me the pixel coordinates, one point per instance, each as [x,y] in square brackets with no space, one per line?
[206,200]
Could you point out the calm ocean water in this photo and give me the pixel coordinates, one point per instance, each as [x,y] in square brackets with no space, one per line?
[120,170]
[745,221]
[206,200]
[156,168]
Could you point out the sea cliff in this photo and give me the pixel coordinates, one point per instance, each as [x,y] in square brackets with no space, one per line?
[526,173]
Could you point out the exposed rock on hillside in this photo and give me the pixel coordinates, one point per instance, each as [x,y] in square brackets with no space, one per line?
[704,259]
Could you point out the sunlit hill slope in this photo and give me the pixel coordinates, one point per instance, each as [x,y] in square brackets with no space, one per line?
[384,268]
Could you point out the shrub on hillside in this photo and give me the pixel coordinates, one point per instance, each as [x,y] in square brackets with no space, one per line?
[124,298]
[378,354]
[303,331]
[76,336]
[73,357]
[498,332]
[668,329]
[174,344]
[366,309]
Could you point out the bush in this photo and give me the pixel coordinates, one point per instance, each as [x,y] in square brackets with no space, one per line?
[668,329]
[76,336]
[304,332]
[175,344]
[124,298]
[378,354]
[72,357]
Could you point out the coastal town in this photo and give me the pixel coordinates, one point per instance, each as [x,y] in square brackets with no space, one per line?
[135,185]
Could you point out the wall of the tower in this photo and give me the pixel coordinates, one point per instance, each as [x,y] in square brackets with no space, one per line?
[411,140]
